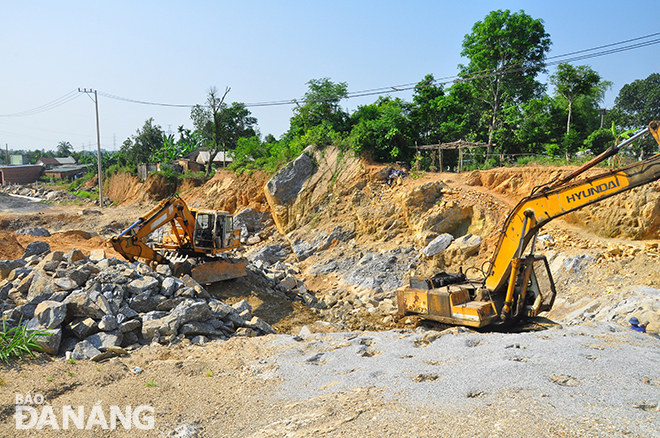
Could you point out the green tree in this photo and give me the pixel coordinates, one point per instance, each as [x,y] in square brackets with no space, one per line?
[599,140]
[427,113]
[320,105]
[536,125]
[221,125]
[638,103]
[146,141]
[506,52]
[381,129]
[572,82]
[64,149]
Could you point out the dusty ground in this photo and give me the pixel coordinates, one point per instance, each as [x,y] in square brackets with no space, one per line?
[242,388]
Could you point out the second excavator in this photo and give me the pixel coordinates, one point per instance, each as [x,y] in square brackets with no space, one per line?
[195,245]
[518,285]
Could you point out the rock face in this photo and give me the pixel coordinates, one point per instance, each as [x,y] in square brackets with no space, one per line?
[310,178]
[282,190]
[635,215]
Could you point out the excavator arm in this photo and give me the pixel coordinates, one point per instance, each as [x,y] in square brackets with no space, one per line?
[130,243]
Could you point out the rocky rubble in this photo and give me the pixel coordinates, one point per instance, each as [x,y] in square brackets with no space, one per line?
[94,305]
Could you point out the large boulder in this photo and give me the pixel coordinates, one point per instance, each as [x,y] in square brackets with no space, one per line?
[84,350]
[41,287]
[50,314]
[438,245]
[35,248]
[250,219]
[269,253]
[6,266]
[48,339]
[143,284]
[80,304]
[281,191]
[34,231]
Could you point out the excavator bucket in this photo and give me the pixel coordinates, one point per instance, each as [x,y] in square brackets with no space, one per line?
[218,270]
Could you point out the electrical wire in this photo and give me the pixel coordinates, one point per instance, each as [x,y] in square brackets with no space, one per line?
[579,55]
[72,95]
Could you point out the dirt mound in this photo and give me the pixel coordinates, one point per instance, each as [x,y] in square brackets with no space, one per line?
[229,192]
[122,187]
[10,248]
[633,215]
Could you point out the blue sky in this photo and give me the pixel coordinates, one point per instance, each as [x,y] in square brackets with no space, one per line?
[173,51]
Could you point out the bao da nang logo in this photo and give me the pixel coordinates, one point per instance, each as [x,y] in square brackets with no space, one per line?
[33,412]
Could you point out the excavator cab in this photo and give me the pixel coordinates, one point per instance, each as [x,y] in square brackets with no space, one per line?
[211,229]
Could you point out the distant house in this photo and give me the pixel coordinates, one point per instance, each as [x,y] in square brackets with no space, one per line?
[50,163]
[202,157]
[188,165]
[70,172]
[21,174]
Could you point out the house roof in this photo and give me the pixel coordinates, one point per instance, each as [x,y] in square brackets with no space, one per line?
[203,157]
[48,161]
[62,161]
[65,160]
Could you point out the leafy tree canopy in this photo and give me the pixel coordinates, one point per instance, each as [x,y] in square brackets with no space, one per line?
[572,82]
[638,103]
[146,141]
[382,129]
[64,149]
[319,105]
[505,52]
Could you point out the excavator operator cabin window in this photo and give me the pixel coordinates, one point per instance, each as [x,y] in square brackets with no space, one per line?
[204,231]
[202,221]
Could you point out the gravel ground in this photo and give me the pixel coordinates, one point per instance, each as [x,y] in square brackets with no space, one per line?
[20,204]
[583,380]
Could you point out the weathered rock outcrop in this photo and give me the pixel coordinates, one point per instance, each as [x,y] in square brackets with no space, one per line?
[302,184]
[633,215]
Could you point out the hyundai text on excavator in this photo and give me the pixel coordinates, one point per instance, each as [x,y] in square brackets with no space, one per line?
[518,285]
[196,243]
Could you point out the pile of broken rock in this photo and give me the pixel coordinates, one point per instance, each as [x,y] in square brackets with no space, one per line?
[94,306]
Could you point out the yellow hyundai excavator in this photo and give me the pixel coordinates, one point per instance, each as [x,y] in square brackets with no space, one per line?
[197,239]
[519,285]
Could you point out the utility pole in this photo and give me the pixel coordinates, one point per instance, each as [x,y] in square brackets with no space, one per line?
[602,116]
[98,143]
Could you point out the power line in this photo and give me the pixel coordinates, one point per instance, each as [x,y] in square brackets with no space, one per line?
[46,107]
[579,55]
